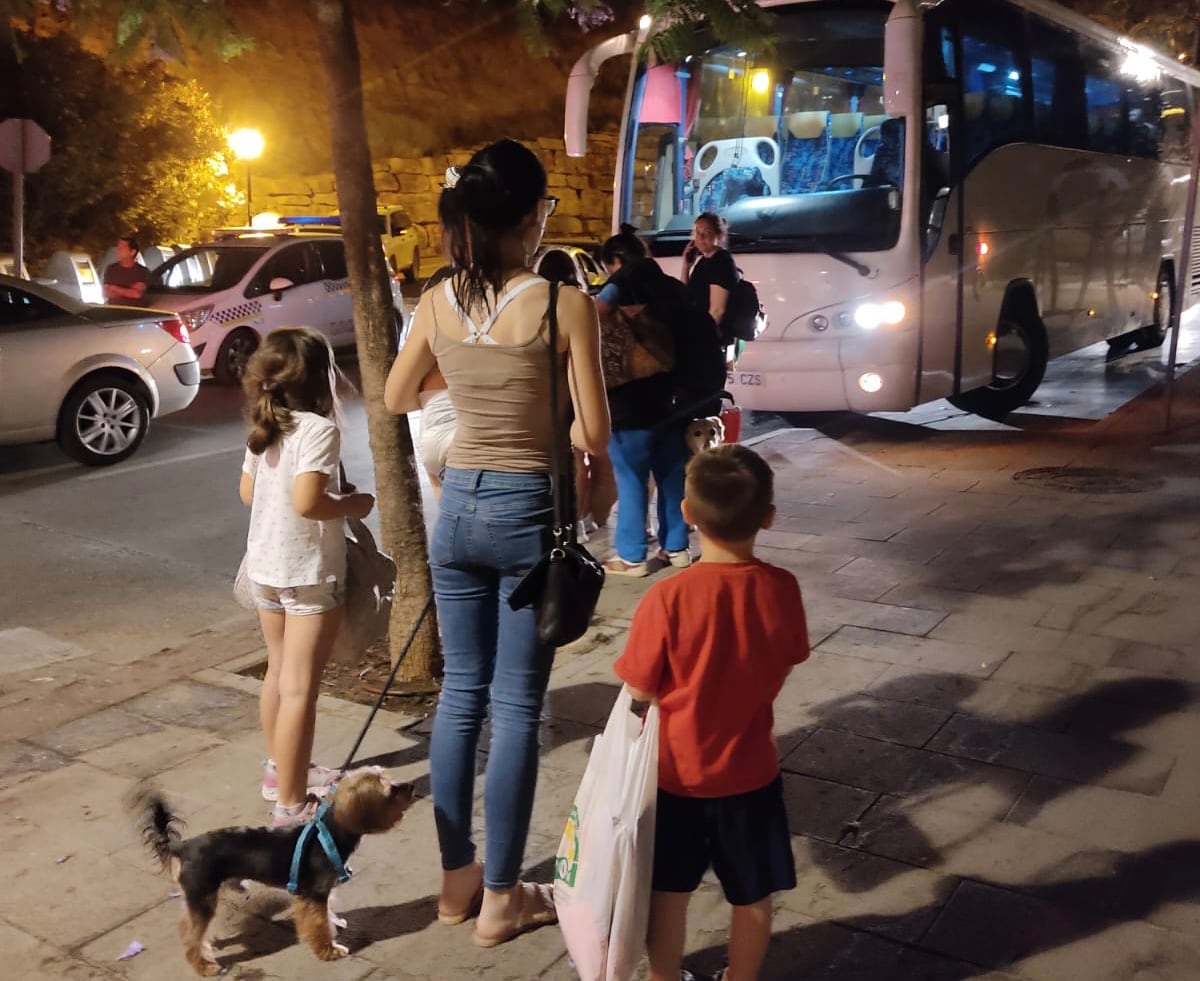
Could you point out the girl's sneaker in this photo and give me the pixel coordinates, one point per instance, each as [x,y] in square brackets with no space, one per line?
[320,780]
[289,817]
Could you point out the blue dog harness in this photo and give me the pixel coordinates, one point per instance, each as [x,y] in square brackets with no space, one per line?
[318,825]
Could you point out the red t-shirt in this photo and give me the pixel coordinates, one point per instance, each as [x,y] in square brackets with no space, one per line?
[715,644]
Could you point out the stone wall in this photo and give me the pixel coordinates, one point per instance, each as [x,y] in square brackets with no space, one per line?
[583,186]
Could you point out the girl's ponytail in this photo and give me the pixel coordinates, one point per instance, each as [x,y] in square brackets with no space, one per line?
[263,416]
[292,371]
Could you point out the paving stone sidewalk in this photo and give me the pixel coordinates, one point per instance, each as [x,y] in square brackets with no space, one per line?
[989,760]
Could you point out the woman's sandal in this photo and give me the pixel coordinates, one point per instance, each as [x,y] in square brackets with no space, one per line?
[454,919]
[473,907]
[537,910]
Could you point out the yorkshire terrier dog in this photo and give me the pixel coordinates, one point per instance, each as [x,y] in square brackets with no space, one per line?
[704,434]
[364,802]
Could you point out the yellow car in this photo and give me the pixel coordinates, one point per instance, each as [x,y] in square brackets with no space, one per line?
[401,238]
[401,241]
[588,272]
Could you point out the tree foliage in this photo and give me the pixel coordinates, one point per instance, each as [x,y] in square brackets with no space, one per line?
[132,148]
[128,28]
[741,22]
[1171,26]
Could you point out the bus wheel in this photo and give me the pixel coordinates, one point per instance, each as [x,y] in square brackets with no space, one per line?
[1019,366]
[1154,333]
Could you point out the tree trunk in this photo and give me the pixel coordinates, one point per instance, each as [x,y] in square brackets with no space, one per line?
[397,485]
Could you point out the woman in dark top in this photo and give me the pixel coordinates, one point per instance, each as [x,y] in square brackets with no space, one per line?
[710,275]
[708,268]
[647,437]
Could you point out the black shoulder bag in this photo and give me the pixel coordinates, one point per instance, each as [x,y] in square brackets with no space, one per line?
[565,584]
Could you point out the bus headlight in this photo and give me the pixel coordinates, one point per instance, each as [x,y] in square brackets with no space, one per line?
[869,316]
[870,382]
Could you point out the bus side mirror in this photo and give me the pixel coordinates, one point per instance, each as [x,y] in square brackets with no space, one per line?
[579,88]
[902,45]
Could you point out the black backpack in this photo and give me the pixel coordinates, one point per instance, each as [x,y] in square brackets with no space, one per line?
[743,313]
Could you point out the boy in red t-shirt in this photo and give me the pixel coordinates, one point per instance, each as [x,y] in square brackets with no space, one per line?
[714,645]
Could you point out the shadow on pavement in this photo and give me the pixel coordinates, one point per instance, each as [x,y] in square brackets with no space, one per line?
[990,928]
[1099,715]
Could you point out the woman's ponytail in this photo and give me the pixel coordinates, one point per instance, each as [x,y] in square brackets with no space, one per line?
[480,204]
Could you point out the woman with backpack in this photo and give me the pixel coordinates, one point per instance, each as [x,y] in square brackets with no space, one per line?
[710,276]
[646,319]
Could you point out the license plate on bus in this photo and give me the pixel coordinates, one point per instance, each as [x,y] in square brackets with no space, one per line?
[748,378]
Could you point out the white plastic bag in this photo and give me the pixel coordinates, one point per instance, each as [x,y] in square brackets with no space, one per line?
[605,861]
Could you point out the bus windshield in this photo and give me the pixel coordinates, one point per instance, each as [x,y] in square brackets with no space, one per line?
[792,147]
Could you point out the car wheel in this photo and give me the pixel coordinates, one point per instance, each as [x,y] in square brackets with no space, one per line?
[233,354]
[103,420]
[410,274]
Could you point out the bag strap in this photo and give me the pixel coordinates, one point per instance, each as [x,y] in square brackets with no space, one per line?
[564,525]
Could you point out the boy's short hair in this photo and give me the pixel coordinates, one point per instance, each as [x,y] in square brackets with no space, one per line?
[730,490]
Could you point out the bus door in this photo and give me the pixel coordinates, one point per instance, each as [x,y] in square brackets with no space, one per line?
[940,210]
[975,111]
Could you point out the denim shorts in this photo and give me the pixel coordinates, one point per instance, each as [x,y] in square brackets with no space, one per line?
[298,601]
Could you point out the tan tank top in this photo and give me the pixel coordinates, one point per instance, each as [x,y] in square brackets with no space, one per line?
[500,392]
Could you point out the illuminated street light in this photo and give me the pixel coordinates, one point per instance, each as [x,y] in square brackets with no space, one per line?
[247,145]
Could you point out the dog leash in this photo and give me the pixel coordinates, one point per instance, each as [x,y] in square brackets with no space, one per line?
[412,636]
[687,413]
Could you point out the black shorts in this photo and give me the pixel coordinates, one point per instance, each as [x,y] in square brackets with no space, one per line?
[744,838]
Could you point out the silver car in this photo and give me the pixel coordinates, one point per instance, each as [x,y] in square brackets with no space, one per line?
[91,377]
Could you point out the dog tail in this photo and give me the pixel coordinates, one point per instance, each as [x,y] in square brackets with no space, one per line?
[159,825]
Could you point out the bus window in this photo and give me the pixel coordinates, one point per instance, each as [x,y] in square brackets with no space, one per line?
[992,84]
[935,187]
[1105,112]
[1175,141]
[652,198]
[1059,111]
[1143,104]
[802,124]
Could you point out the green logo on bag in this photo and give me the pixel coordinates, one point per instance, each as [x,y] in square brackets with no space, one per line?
[566,863]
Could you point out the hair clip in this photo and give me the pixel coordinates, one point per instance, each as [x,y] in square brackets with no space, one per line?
[452,176]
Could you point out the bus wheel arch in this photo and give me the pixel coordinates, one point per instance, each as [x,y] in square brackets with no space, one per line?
[1019,361]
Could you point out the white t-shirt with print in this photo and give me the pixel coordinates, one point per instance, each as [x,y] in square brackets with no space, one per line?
[282,548]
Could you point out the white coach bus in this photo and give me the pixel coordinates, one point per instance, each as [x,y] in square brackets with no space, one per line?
[933,198]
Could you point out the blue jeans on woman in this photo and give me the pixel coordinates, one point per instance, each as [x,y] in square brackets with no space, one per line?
[635,455]
[491,529]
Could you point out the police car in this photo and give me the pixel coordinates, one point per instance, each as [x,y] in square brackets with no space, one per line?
[232,291]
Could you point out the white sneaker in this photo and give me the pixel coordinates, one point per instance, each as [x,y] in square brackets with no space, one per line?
[678,560]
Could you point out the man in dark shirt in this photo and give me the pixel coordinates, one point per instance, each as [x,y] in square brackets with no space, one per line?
[126,279]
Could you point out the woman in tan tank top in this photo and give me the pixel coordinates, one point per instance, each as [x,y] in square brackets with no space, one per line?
[486,331]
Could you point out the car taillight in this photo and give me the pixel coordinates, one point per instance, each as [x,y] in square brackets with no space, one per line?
[177,329]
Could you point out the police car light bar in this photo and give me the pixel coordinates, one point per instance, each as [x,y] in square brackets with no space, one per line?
[325,220]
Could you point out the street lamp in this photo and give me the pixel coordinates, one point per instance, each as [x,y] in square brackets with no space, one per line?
[247,145]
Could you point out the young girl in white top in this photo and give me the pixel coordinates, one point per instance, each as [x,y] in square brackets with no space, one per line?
[296,548]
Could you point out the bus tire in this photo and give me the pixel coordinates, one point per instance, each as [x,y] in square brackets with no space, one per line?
[1154,333]
[1021,358]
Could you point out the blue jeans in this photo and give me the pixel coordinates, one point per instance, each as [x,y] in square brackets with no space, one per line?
[491,529]
[635,455]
